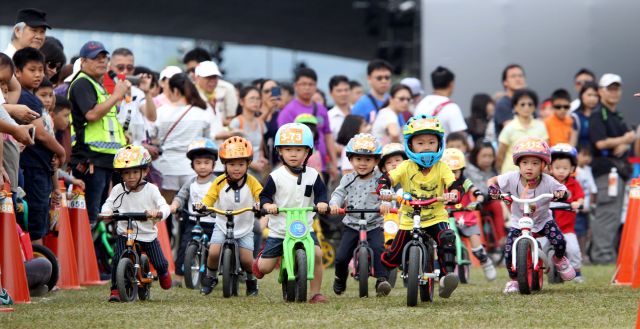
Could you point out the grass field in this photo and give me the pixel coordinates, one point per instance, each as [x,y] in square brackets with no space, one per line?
[595,304]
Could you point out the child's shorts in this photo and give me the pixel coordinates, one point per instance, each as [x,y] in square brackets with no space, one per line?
[468,231]
[273,246]
[582,224]
[244,242]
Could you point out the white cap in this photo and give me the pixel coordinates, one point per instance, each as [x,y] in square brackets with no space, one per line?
[414,84]
[207,69]
[608,79]
[76,69]
[169,71]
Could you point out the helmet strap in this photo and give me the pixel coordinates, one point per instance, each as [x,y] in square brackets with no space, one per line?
[235,184]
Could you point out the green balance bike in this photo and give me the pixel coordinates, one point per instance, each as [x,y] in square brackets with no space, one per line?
[463,262]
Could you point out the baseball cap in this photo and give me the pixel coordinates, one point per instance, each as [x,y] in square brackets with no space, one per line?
[91,49]
[608,79]
[32,17]
[414,84]
[207,69]
[169,71]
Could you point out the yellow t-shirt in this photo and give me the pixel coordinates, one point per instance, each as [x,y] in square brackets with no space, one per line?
[408,175]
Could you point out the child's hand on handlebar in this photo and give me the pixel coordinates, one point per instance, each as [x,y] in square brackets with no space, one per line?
[270,208]
[450,197]
[575,205]
[322,207]
[335,210]
[494,192]
[155,215]
[199,206]
[559,195]
[386,195]
[384,208]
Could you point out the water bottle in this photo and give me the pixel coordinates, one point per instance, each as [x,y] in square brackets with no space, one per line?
[613,182]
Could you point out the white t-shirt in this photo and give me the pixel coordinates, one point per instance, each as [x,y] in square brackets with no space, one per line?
[385,117]
[137,122]
[450,116]
[574,105]
[336,119]
[149,198]
[10,50]
[195,124]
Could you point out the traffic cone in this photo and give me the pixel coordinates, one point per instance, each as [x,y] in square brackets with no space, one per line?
[88,273]
[5,309]
[65,248]
[14,277]
[165,244]
[630,242]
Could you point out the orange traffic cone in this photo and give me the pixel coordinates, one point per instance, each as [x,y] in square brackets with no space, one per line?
[88,273]
[630,242]
[165,244]
[65,247]
[14,277]
[5,309]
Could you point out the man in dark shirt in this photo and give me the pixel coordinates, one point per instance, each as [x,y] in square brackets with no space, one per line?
[610,143]
[512,80]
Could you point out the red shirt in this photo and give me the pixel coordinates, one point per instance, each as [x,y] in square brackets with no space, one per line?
[567,219]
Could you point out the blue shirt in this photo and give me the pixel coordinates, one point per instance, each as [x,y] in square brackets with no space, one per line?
[37,155]
[365,107]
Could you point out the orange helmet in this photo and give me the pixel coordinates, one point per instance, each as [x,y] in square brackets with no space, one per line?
[235,148]
[454,158]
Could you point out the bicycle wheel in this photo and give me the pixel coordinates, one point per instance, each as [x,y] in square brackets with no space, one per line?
[40,251]
[524,266]
[413,272]
[126,280]
[427,290]
[288,288]
[192,266]
[464,270]
[363,272]
[227,267]
[328,254]
[144,292]
[301,275]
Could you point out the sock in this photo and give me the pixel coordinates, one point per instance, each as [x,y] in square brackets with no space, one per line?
[212,272]
[578,273]
[480,254]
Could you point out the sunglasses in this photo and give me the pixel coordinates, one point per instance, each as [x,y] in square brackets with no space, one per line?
[562,107]
[383,77]
[523,104]
[122,67]
[54,66]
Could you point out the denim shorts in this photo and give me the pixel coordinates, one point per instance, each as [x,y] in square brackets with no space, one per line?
[273,246]
[245,242]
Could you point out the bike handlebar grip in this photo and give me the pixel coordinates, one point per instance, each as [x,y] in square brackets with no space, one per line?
[342,211]
[393,210]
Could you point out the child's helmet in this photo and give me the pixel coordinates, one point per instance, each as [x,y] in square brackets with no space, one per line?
[307,118]
[294,134]
[236,148]
[390,150]
[364,144]
[564,151]
[454,158]
[130,157]
[422,125]
[203,147]
[531,146]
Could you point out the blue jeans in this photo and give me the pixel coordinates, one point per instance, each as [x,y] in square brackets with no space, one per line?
[96,189]
[37,186]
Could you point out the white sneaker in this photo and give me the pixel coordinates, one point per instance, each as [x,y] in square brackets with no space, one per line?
[489,270]
[511,287]
[578,279]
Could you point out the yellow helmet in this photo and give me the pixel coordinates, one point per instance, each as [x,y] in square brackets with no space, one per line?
[131,156]
[454,158]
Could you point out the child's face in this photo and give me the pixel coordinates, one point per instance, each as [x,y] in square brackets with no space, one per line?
[584,159]
[236,168]
[31,75]
[485,158]
[457,173]
[46,97]
[525,107]
[363,165]
[456,144]
[561,108]
[530,167]
[393,162]
[5,75]
[61,119]
[133,177]
[424,143]
[294,156]
[203,166]
[561,169]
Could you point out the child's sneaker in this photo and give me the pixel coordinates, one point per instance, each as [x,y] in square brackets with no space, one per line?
[448,284]
[252,287]
[489,269]
[317,298]
[511,287]
[5,298]
[339,286]
[383,287]
[165,281]
[565,269]
[208,283]
[578,279]
[115,296]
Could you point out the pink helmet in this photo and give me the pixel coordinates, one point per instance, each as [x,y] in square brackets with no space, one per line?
[531,146]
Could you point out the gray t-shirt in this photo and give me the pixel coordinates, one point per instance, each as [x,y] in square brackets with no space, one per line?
[358,195]
[510,183]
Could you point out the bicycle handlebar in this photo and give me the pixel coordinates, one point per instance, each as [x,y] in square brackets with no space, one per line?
[194,214]
[535,199]
[562,206]
[459,208]
[419,203]
[263,212]
[230,212]
[137,216]
[347,210]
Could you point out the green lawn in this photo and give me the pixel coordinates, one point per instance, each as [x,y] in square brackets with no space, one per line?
[595,304]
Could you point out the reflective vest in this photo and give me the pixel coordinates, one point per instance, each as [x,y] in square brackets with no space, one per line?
[105,135]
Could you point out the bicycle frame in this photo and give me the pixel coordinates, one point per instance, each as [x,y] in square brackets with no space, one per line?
[297,235]
[230,241]
[417,239]
[199,237]
[132,250]
[460,246]
[362,242]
